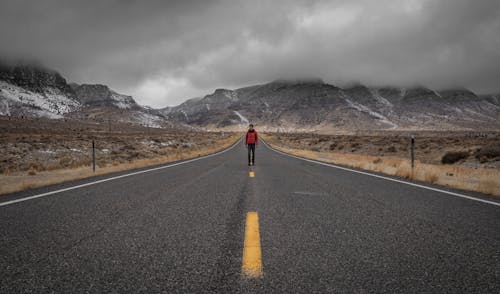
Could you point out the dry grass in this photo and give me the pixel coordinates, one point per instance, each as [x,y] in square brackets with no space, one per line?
[18,181]
[488,186]
[484,180]
[470,149]
[431,177]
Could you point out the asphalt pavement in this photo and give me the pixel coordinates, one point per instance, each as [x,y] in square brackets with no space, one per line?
[311,228]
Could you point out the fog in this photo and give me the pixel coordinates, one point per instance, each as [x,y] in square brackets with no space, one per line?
[164,52]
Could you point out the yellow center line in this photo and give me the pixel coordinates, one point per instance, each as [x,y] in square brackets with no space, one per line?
[252,174]
[252,255]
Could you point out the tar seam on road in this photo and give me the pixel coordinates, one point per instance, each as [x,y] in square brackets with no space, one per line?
[252,255]
[117,177]
[386,178]
[310,193]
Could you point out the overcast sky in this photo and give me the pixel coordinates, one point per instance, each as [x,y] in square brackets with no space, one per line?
[163,52]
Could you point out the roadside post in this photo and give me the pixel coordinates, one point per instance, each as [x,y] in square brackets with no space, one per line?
[412,152]
[93,155]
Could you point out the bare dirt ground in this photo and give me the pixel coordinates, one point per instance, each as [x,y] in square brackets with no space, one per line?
[38,152]
[465,160]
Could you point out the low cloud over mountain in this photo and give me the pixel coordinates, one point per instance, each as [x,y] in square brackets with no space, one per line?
[164,51]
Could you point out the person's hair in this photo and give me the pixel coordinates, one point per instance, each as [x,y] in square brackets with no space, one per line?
[250,125]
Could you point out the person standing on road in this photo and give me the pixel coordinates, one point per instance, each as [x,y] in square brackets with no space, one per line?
[251,141]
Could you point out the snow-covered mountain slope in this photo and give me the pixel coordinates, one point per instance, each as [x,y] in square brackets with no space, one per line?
[50,103]
[34,91]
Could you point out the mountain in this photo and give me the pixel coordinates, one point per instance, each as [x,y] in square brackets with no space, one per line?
[35,91]
[294,105]
[102,96]
[315,105]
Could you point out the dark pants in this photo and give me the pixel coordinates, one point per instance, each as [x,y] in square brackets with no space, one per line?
[251,153]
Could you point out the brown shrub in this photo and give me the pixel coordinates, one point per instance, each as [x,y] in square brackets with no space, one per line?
[483,159]
[133,155]
[37,167]
[454,156]
[128,147]
[76,164]
[101,163]
[65,161]
[491,151]
[53,166]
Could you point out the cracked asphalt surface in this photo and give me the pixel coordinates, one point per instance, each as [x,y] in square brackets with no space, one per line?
[181,230]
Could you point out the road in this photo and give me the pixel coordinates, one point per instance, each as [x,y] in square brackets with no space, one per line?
[309,228]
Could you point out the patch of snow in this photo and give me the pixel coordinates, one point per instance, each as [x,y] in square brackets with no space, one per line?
[105,150]
[52,103]
[149,143]
[148,120]
[456,109]
[121,101]
[168,143]
[75,150]
[4,107]
[122,105]
[478,114]
[266,104]
[231,95]
[242,118]
[48,151]
[207,106]
[380,99]
[185,114]
[362,108]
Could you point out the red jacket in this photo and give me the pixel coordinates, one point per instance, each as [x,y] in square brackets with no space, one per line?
[251,138]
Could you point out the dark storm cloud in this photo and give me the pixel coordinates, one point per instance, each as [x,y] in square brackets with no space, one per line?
[167,51]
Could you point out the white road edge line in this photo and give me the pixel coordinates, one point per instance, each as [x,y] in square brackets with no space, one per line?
[115,178]
[385,178]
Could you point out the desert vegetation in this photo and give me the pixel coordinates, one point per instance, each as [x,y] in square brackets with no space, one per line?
[462,160]
[42,152]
